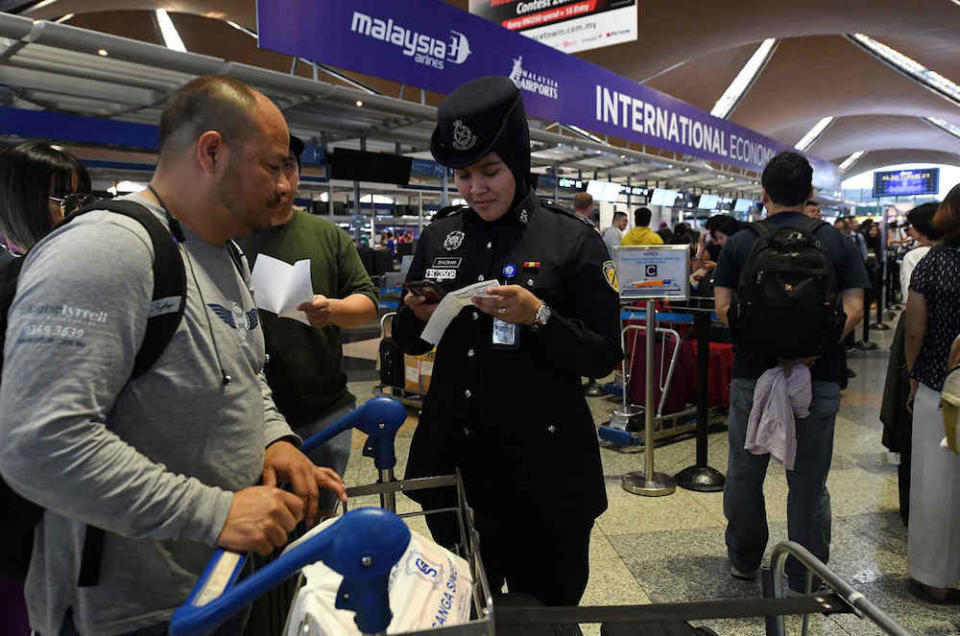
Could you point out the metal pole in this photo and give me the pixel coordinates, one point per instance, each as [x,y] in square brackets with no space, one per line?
[649,483]
[882,292]
[701,477]
[419,213]
[446,182]
[388,500]
[556,185]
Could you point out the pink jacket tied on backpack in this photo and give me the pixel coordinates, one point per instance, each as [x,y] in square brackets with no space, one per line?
[778,401]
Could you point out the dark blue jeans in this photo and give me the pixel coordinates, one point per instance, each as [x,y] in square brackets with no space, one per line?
[808,502]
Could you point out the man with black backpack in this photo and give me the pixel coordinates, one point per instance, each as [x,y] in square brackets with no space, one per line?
[133,406]
[790,287]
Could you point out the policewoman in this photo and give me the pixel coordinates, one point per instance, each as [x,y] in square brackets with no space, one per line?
[505,404]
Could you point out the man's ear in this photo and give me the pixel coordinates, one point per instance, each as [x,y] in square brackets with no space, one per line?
[210,150]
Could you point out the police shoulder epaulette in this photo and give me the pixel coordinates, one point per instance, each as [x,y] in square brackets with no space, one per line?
[559,210]
[450,210]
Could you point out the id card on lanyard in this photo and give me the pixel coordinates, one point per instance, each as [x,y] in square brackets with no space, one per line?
[506,335]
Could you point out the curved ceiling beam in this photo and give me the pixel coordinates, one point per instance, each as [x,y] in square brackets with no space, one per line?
[894,156]
[872,132]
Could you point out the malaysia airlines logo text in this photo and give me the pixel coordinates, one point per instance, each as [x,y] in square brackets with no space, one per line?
[423,48]
[527,81]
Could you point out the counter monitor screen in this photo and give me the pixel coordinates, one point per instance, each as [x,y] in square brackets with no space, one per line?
[743,205]
[663,197]
[709,201]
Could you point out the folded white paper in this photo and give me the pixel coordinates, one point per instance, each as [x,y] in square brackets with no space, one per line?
[281,288]
[450,306]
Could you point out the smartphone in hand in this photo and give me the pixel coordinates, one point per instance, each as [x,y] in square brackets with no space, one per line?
[426,289]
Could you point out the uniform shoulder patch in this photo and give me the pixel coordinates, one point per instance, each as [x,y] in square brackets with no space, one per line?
[450,210]
[610,274]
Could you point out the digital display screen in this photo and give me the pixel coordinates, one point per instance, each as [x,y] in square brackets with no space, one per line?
[604,190]
[895,183]
[743,205]
[708,201]
[663,197]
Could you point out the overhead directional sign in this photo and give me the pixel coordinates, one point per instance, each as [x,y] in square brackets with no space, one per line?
[433,45]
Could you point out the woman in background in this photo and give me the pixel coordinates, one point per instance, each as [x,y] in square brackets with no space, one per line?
[932,324]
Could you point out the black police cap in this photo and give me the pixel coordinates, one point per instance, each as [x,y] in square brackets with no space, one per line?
[473,118]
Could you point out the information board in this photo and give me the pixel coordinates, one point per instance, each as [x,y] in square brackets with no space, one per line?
[896,183]
[566,25]
[648,272]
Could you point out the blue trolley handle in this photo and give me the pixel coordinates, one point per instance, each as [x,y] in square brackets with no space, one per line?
[362,546]
[380,418]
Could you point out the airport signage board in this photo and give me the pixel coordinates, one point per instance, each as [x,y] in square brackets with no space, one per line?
[649,272]
[566,25]
[434,45]
[896,183]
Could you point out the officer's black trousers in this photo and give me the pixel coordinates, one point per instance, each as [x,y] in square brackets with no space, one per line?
[551,565]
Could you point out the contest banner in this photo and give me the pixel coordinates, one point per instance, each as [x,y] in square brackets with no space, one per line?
[566,25]
[434,45]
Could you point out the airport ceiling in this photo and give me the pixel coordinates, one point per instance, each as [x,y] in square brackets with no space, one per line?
[692,50]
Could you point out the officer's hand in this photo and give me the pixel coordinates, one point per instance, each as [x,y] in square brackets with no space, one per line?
[284,461]
[317,310]
[259,520]
[509,303]
[421,308]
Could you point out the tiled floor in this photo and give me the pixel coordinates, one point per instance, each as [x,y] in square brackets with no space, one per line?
[671,549]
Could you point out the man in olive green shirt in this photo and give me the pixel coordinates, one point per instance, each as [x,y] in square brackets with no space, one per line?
[303,370]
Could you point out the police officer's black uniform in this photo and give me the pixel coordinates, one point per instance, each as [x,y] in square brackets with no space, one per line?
[514,419]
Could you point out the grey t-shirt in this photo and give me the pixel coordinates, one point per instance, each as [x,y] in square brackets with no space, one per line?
[153,461]
[612,237]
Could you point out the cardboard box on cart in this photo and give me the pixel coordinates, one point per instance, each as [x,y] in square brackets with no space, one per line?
[417,371]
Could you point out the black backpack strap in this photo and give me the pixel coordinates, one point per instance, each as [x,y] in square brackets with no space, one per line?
[811,225]
[166,310]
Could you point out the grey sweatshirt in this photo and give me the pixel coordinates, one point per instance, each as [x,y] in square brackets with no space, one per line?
[155,461]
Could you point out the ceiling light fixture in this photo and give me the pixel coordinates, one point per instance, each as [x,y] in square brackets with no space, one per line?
[813,134]
[42,4]
[103,52]
[171,37]
[63,18]
[744,79]
[945,125]
[849,161]
[907,65]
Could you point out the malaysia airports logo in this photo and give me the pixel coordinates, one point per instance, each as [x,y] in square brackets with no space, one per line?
[531,82]
[423,48]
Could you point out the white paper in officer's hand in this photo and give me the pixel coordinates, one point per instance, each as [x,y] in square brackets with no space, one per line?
[450,306]
[280,287]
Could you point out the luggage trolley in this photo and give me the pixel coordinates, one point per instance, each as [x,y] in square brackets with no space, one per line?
[362,546]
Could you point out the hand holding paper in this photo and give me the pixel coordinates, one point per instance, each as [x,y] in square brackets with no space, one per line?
[450,306]
[281,288]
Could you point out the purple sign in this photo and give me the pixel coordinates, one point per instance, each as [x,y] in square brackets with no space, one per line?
[433,45]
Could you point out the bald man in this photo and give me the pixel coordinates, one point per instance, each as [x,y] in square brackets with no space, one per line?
[167,464]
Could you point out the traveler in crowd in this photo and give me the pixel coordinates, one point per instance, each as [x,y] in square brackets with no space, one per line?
[895,410]
[665,234]
[721,227]
[614,234]
[812,209]
[787,184]
[932,324]
[36,184]
[640,233]
[506,376]
[583,208]
[168,464]
[309,387]
[924,234]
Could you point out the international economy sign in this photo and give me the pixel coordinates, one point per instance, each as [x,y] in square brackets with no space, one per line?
[433,45]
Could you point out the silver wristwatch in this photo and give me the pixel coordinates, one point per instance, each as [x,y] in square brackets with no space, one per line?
[543,314]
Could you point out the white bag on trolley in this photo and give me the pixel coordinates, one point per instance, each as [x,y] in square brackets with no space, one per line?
[429,587]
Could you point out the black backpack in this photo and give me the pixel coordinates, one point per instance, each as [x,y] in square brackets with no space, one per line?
[787,304]
[20,516]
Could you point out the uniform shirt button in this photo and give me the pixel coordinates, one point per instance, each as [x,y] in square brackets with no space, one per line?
[470,353]
[551,429]
[467,393]
[480,278]
[489,244]
[476,314]
[466,432]
[529,282]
